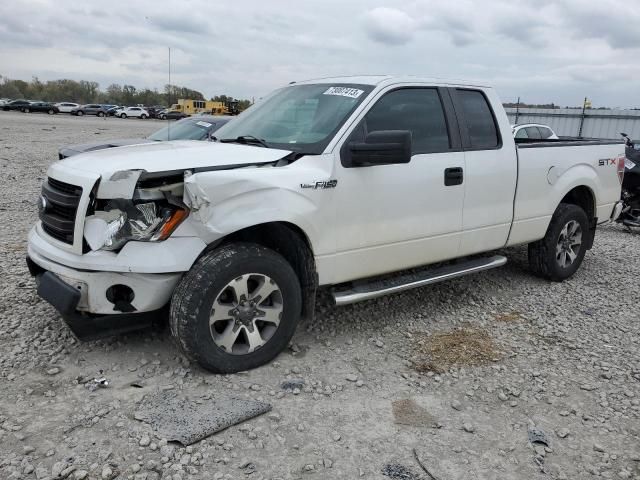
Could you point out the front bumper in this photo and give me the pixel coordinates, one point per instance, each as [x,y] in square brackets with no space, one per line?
[83,299]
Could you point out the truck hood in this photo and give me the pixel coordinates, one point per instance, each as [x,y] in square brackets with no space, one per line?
[71,150]
[168,156]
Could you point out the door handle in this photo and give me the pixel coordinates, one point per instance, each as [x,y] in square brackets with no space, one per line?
[453,176]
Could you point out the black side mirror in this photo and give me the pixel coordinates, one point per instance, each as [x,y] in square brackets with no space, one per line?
[382,147]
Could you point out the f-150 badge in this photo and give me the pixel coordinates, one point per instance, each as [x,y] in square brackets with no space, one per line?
[321,185]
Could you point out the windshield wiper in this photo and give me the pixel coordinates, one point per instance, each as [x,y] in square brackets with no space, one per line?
[246,140]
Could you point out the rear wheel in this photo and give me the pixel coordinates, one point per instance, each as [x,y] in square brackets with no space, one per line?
[143,116]
[26,110]
[50,111]
[237,308]
[560,253]
[123,115]
[100,114]
[80,113]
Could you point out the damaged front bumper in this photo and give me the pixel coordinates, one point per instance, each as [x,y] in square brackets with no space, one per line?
[65,298]
[99,303]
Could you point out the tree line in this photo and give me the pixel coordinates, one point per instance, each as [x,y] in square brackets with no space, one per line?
[84,91]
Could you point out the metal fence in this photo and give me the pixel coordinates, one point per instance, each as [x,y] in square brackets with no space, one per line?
[570,121]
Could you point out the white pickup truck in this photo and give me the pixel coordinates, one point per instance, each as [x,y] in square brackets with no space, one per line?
[340,183]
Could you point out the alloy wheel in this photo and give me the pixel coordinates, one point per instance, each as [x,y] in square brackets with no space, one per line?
[246,314]
[569,243]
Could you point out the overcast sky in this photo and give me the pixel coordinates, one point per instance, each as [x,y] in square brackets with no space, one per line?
[544,51]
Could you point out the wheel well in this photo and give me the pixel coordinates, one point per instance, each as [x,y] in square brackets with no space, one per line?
[292,243]
[582,197]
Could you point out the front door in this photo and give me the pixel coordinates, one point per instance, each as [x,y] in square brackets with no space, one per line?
[391,217]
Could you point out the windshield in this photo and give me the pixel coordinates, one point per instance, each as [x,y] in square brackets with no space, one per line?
[302,118]
[185,129]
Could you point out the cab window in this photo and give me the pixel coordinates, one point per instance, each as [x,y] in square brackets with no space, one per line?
[418,110]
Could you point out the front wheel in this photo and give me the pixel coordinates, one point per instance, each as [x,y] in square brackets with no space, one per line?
[26,110]
[559,254]
[143,116]
[50,111]
[101,114]
[80,113]
[237,308]
[123,115]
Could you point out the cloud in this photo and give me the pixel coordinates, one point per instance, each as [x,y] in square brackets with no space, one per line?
[541,50]
[390,26]
[615,22]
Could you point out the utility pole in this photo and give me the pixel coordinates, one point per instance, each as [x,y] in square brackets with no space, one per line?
[517,111]
[586,104]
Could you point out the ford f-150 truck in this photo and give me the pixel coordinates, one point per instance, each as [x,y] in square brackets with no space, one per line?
[364,185]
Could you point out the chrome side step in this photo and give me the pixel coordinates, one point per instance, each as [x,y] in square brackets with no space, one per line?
[379,288]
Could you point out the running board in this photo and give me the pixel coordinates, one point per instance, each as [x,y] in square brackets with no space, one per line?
[379,288]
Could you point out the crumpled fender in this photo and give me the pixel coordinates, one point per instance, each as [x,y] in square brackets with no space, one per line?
[225,201]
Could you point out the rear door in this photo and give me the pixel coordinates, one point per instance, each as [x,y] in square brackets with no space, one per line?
[391,217]
[491,170]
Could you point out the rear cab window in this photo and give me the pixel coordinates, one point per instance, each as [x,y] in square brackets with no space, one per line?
[479,120]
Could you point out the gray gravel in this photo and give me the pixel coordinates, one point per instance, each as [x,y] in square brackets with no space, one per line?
[568,365]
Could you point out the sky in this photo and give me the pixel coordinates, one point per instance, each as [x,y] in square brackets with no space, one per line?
[543,51]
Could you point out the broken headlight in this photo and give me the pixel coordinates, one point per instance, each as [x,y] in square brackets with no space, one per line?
[122,221]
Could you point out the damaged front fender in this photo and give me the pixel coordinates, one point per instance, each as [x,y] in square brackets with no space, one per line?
[196,198]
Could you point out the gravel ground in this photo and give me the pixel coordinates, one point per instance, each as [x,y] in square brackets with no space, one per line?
[380,397]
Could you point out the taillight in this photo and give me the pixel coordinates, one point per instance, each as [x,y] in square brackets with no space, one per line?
[621,168]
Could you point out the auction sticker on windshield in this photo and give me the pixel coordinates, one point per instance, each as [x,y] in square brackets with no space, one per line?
[204,124]
[344,92]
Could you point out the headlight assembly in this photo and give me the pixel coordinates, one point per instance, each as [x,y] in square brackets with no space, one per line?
[124,220]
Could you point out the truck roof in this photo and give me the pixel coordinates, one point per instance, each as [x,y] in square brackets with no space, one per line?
[383,80]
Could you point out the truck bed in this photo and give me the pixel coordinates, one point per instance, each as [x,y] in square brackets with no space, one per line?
[548,169]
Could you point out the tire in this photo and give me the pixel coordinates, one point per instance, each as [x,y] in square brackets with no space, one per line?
[26,110]
[123,115]
[212,279]
[80,113]
[143,116]
[100,114]
[50,111]
[163,117]
[549,257]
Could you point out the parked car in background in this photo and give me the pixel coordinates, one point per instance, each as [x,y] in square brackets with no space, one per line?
[66,107]
[154,110]
[192,128]
[138,112]
[172,115]
[534,131]
[113,111]
[89,109]
[46,107]
[19,105]
[4,101]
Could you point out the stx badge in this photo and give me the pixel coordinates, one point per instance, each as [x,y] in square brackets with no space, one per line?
[603,162]
[320,185]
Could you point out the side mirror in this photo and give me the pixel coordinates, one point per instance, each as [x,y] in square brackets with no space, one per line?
[382,147]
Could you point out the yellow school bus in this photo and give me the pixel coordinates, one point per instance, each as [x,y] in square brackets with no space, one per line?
[193,107]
